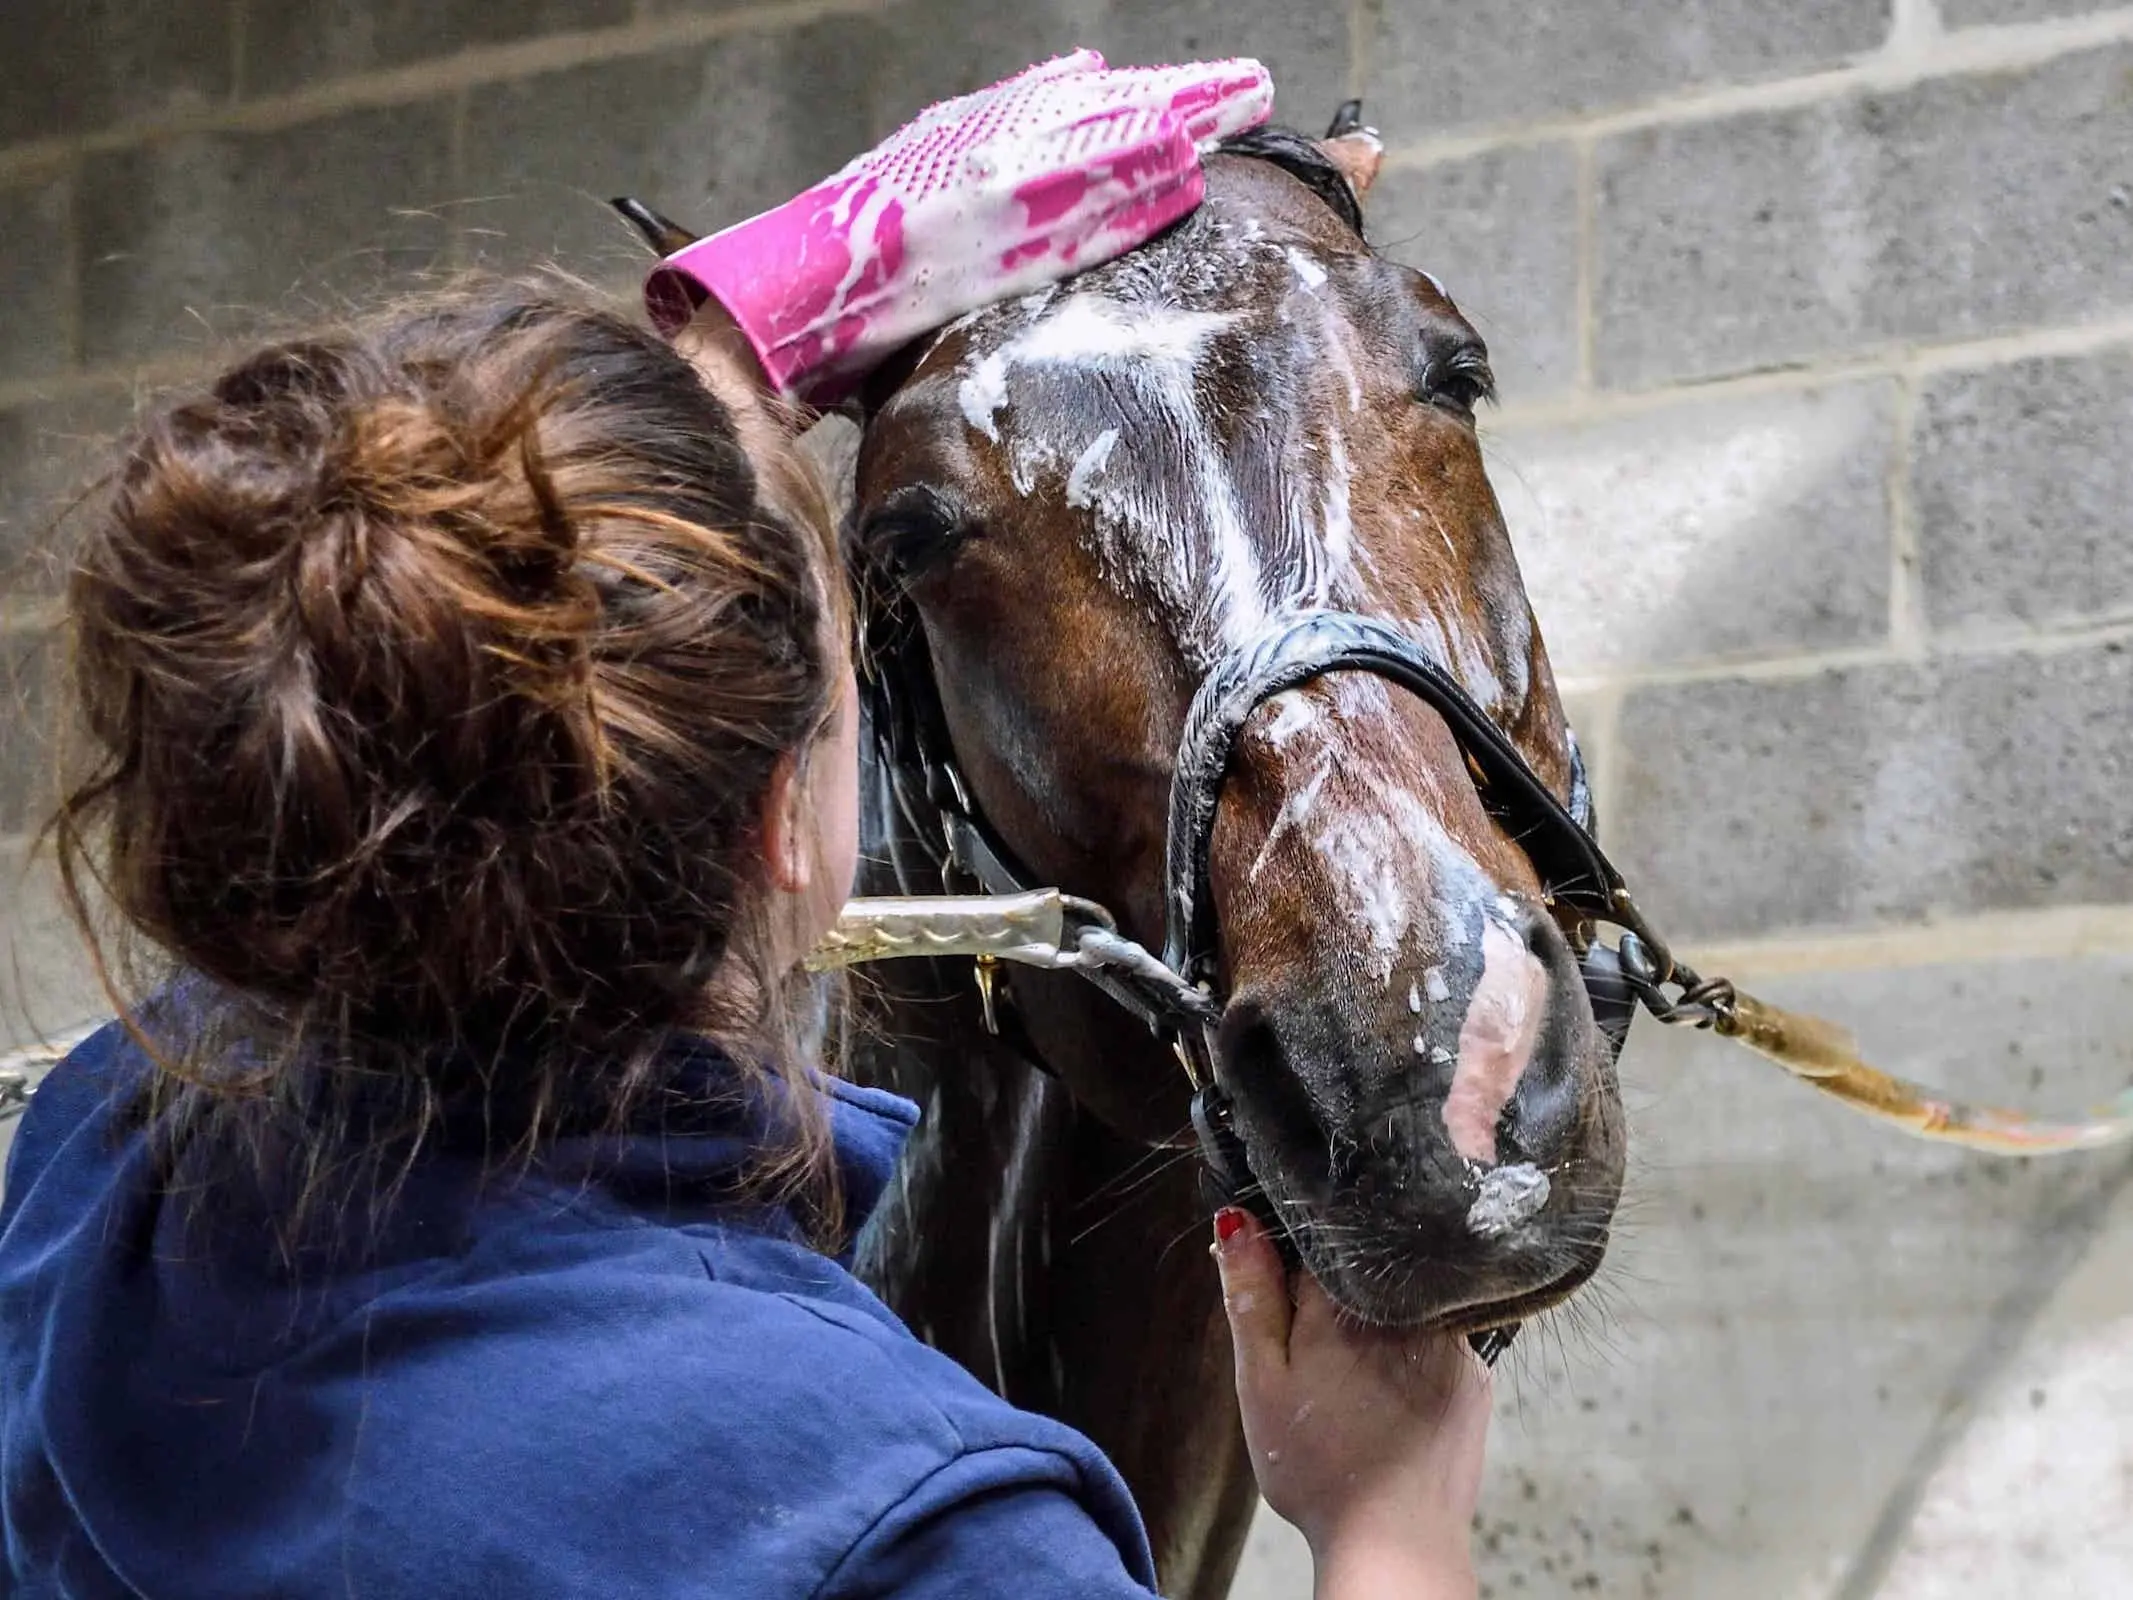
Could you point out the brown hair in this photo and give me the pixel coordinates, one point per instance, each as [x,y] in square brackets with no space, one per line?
[434,671]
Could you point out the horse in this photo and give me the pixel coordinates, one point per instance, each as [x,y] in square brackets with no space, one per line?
[1072,513]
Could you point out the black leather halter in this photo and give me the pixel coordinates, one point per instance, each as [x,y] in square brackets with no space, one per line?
[1556,838]
[1177,996]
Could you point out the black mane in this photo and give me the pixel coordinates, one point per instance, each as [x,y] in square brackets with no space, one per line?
[1302,159]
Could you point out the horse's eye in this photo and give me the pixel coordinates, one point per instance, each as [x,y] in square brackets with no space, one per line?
[910,533]
[1456,377]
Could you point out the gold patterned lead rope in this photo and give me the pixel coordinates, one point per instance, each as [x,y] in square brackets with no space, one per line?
[1028,928]
[1823,1055]
[1044,928]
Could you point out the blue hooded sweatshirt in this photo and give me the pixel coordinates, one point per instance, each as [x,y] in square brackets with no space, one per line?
[596,1377]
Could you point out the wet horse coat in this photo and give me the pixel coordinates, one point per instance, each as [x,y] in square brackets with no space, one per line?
[1080,501]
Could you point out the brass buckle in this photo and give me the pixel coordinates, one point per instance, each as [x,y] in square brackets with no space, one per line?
[986,969]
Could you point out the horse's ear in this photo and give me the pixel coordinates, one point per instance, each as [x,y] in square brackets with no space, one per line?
[664,236]
[1355,149]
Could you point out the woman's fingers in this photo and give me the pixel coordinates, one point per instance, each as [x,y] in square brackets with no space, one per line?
[1255,1294]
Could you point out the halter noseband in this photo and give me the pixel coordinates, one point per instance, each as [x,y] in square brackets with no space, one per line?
[1176,995]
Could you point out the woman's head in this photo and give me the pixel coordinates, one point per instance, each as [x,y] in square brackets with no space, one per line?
[453,682]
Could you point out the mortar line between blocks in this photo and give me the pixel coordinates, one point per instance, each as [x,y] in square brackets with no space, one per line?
[1907,612]
[240,30]
[1851,366]
[2088,633]
[1915,28]
[1588,265]
[1969,51]
[1601,743]
[2056,933]
[1362,18]
[424,80]
[151,374]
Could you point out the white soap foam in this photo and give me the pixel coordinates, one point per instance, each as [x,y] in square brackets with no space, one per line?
[983,392]
[1087,465]
[1507,1197]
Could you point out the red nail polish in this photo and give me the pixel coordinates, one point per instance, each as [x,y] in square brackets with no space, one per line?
[1229,1222]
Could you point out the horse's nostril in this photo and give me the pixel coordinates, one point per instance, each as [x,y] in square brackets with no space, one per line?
[1541,1117]
[1543,937]
[1263,1080]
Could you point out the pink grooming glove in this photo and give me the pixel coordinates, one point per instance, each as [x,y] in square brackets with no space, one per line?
[1058,169]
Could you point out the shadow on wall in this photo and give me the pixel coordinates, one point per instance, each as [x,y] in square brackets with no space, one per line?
[1816,1362]
[1698,533]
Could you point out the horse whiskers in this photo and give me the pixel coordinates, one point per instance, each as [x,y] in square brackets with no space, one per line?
[1579,1319]
[1144,1169]
[1191,1230]
[1123,1203]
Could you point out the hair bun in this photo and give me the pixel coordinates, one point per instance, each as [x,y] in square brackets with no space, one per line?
[439,666]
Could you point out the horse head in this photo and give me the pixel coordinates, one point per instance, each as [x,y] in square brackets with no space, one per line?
[1081,502]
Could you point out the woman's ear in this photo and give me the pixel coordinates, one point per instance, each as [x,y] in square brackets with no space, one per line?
[788,854]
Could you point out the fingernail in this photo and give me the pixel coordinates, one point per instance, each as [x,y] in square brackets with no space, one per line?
[1229,1222]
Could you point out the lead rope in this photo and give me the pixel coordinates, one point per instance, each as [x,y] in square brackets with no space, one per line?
[1047,929]
[1824,1056]
[1077,935]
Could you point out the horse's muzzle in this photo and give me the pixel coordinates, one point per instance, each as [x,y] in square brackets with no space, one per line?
[1437,1162]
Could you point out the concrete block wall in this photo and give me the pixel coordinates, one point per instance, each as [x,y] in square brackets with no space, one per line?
[1815,324]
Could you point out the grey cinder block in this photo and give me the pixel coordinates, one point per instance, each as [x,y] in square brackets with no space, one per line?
[710,136]
[36,280]
[1794,1295]
[2027,1502]
[47,982]
[70,66]
[51,451]
[1710,529]
[29,703]
[209,237]
[2023,489]
[941,48]
[1965,205]
[1968,13]
[1879,794]
[1305,47]
[1441,64]
[289,44]
[1500,231]
[931,50]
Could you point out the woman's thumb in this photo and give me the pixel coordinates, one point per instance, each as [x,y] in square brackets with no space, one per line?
[1255,1293]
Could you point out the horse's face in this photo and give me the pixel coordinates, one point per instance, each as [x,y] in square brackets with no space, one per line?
[1093,493]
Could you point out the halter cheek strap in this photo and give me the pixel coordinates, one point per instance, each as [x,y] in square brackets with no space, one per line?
[1175,994]
[1571,867]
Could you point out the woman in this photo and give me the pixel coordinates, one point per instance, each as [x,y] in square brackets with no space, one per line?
[459,1215]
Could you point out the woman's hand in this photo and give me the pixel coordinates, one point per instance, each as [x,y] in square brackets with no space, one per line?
[1370,1443]
[1001,192]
